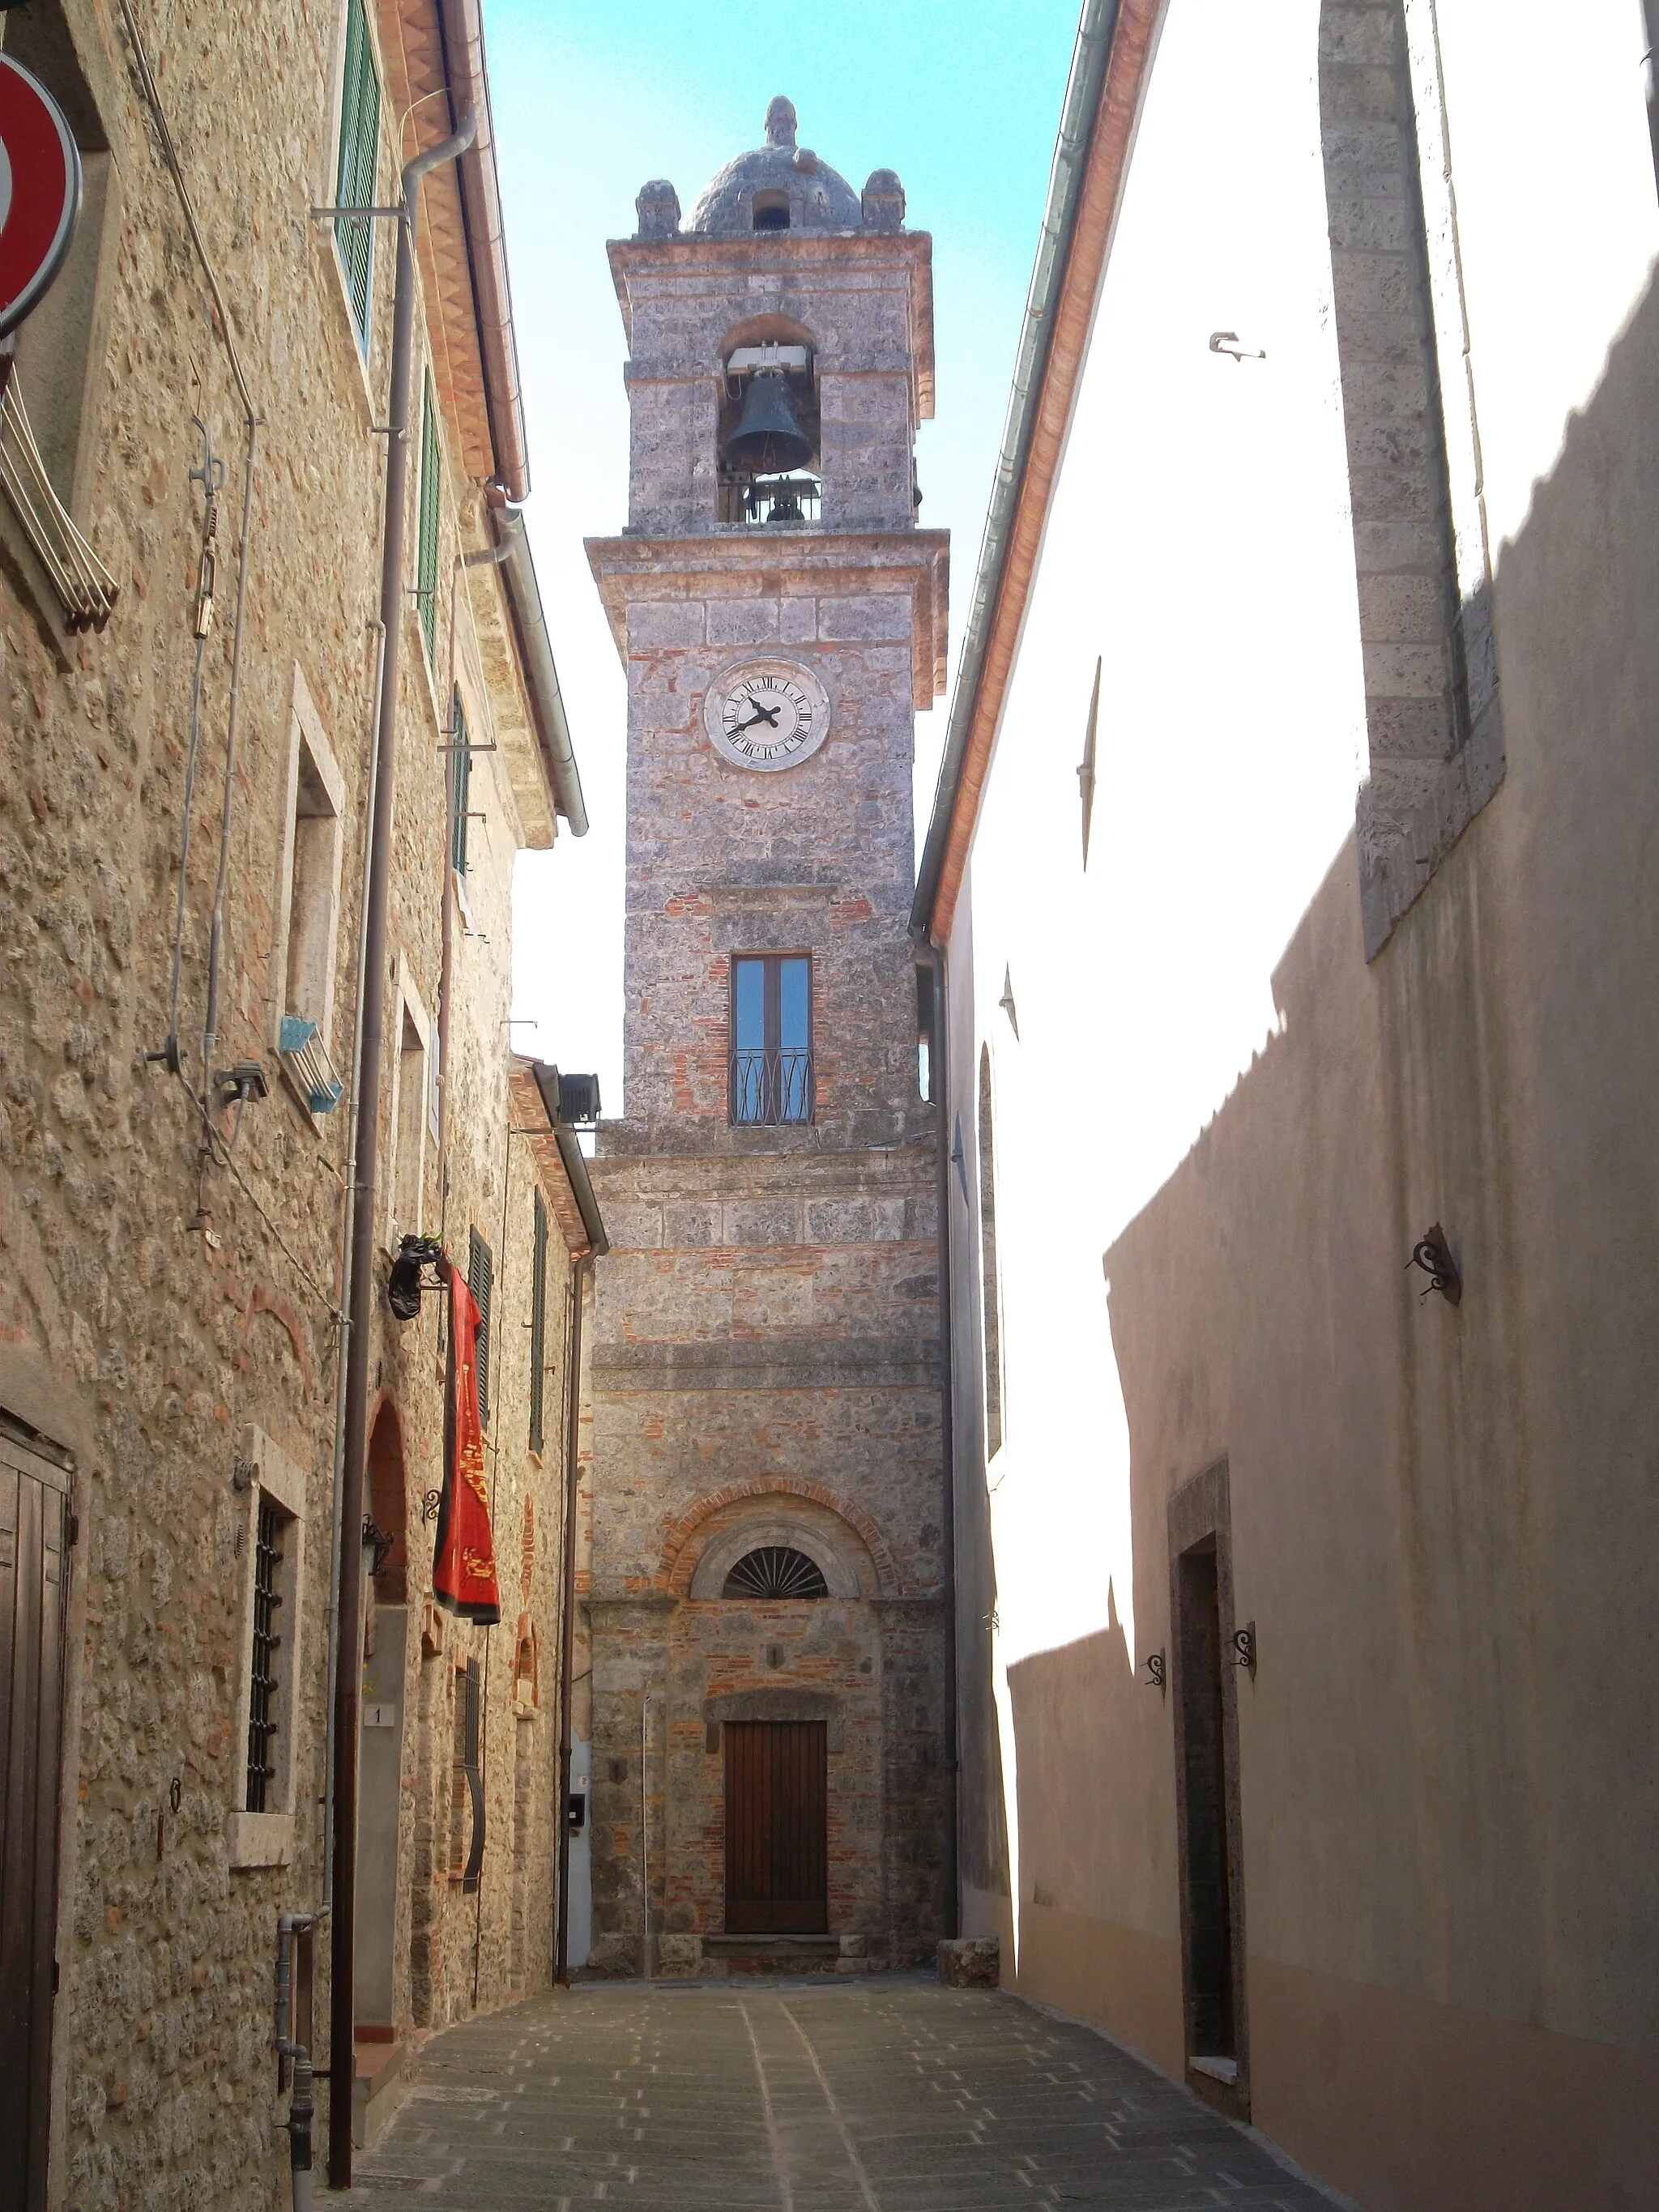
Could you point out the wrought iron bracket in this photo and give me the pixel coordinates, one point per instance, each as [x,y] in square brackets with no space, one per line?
[1157,1676]
[1244,1643]
[1433,1256]
[382,1542]
[430,1505]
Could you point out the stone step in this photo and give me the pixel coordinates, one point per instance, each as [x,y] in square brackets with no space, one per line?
[379,2087]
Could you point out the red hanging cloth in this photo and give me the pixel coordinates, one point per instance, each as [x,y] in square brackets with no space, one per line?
[464,1562]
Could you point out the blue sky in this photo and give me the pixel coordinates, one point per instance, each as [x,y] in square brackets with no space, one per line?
[963,101]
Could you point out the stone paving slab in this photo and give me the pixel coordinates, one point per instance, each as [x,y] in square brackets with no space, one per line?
[886,2094]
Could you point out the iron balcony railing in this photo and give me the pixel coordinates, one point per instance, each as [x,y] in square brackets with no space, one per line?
[759,502]
[769,1088]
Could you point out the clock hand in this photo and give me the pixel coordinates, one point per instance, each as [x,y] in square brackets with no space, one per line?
[769,715]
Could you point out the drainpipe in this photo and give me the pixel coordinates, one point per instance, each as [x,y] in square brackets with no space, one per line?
[938,1069]
[301,2108]
[579,1268]
[372,1021]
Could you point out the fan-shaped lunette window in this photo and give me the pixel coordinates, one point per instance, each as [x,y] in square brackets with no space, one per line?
[775,1570]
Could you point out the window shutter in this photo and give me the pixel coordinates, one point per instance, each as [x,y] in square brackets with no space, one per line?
[480,1272]
[537,1323]
[425,561]
[359,146]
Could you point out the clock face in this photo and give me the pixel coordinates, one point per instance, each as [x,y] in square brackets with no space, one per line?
[766,713]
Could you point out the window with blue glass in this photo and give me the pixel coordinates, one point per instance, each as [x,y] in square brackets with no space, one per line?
[771,1038]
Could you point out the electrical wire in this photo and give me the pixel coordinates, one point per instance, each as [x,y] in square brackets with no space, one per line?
[215,1144]
[169,1053]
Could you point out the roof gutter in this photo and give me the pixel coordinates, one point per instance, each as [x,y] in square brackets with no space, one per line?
[573,1158]
[461,23]
[1110,65]
[536,657]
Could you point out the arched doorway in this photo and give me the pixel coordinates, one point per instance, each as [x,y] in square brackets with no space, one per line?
[386,1617]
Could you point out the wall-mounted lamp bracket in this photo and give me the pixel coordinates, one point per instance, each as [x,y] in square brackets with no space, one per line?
[379,1540]
[1433,1256]
[1244,1643]
[405,1283]
[1157,1676]
[430,1505]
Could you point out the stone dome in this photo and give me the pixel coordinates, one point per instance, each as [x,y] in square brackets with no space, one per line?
[786,176]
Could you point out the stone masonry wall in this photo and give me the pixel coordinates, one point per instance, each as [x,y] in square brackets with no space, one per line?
[154,1306]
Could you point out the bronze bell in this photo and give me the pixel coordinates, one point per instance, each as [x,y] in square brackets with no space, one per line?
[768,440]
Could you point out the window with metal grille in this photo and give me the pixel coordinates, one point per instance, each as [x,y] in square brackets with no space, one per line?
[262,1721]
[360,147]
[772,1038]
[775,1570]
[426,545]
[480,1273]
[460,782]
[538,1322]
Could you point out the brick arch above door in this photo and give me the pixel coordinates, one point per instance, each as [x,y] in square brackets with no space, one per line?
[711,1521]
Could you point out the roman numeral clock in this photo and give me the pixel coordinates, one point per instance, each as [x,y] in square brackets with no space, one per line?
[766,713]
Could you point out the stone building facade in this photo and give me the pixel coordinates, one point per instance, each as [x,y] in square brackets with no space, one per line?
[207,382]
[1305,1413]
[763,1373]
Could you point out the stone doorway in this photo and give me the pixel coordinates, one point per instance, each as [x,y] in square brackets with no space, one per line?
[777,1841]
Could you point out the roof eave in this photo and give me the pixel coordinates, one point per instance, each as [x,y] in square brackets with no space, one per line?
[1110,66]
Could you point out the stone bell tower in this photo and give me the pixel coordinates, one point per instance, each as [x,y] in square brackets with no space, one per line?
[765,1603]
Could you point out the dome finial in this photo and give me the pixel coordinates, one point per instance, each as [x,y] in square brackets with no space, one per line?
[781,121]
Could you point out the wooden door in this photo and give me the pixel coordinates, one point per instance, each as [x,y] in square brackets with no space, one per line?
[777,1845]
[34,1539]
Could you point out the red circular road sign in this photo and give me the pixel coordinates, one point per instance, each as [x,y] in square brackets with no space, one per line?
[39,191]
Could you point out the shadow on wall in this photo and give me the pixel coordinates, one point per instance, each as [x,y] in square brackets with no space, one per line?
[1447,1877]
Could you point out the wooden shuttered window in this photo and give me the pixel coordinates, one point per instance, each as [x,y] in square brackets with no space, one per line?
[426,543]
[537,1323]
[480,1275]
[359,163]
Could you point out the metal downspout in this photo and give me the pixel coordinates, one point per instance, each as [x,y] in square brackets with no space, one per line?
[349,1666]
[579,1268]
[343,1330]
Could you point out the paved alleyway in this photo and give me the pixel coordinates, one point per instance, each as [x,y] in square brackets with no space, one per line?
[878,2097]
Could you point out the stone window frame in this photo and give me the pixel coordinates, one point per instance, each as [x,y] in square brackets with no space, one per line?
[307,741]
[1434,725]
[410,1114]
[266,1839]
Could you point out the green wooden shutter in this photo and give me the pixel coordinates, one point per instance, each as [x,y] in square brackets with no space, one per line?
[426,556]
[460,784]
[537,1323]
[480,1273]
[360,147]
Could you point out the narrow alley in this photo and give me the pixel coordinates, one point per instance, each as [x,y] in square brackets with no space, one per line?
[808,2096]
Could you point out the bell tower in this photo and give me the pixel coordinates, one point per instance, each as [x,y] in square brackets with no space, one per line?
[766,1577]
